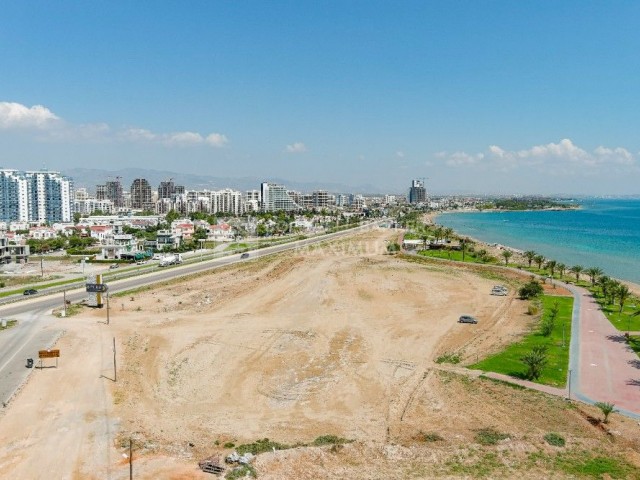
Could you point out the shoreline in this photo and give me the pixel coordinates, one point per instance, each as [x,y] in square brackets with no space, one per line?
[495,247]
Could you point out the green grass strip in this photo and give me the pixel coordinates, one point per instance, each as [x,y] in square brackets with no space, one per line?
[509,362]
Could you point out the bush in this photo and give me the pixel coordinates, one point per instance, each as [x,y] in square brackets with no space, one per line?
[229,445]
[535,361]
[393,247]
[489,436]
[242,471]
[432,437]
[449,358]
[261,446]
[531,289]
[546,327]
[554,439]
[330,440]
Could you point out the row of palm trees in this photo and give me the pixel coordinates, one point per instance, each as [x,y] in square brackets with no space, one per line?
[611,289]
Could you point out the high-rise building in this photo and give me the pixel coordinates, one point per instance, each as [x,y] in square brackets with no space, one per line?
[114,192]
[417,192]
[36,196]
[14,204]
[141,194]
[166,189]
[320,199]
[50,197]
[275,197]
[101,192]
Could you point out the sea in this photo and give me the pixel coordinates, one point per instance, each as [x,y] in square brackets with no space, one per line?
[602,233]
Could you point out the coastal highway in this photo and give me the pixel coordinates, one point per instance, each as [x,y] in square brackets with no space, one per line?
[37,329]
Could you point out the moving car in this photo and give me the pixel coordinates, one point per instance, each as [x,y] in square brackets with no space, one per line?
[113,265]
[467,319]
[30,291]
[244,255]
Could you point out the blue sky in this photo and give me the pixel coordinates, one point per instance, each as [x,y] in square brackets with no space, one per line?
[477,96]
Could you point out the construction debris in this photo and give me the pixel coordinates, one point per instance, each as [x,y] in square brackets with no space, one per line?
[211,465]
[242,459]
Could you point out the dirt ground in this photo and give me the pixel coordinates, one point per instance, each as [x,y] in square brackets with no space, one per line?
[338,339]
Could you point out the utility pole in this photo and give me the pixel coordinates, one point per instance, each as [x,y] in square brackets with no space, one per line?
[114,359]
[130,459]
[42,265]
[107,307]
[562,334]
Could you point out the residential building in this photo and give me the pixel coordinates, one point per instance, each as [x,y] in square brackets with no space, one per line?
[275,197]
[141,195]
[114,192]
[320,199]
[417,192]
[11,253]
[14,200]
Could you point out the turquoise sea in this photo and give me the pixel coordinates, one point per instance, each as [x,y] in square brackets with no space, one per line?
[602,233]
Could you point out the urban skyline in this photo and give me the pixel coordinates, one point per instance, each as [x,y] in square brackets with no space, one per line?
[528,98]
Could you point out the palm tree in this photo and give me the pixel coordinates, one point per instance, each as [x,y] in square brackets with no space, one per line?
[438,233]
[448,233]
[539,259]
[507,255]
[530,255]
[577,270]
[622,294]
[612,289]
[594,273]
[561,269]
[607,409]
[552,265]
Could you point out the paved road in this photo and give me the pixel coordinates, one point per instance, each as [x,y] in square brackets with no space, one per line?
[37,329]
[603,366]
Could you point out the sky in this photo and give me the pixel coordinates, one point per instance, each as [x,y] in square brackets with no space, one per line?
[530,97]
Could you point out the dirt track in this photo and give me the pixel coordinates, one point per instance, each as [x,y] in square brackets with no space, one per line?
[332,340]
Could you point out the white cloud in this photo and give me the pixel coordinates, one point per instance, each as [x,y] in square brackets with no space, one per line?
[16,115]
[217,140]
[297,147]
[564,157]
[400,154]
[457,159]
[183,138]
[47,126]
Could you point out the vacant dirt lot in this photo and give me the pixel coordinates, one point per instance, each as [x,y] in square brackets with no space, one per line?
[338,339]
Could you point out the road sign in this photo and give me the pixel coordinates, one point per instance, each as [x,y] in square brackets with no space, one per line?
[97,287]
[48,353]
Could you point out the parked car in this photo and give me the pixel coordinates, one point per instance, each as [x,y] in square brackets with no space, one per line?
[29,362]
[113,265]
[30,291]
[244,255]
[467,319]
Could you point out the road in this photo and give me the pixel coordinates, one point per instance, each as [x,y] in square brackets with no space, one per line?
[37,329]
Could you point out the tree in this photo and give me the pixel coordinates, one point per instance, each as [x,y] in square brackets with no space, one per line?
[577,270]
[594,273]
[393,247]
[535,361]
[548,323]
[561,267]
[607,409]
[507,254]
[448,233]
[76,217]
[551,266]
[530,289]
[171,216]
[530,255]
[539,259]
[603,282]
[622,294]
[438,233]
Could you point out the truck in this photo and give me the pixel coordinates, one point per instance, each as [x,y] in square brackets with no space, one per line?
[173,259]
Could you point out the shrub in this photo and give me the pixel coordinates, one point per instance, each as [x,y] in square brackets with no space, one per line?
[546,327]
[554,439]
[229,445]
[432,437]
[535,361]
[489,436]
[449,358]
[330,440]
[607,409]
[261,446]
[393,247]
[530,289]
[242,471]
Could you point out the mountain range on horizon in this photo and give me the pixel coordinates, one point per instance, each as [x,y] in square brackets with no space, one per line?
[90,177]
